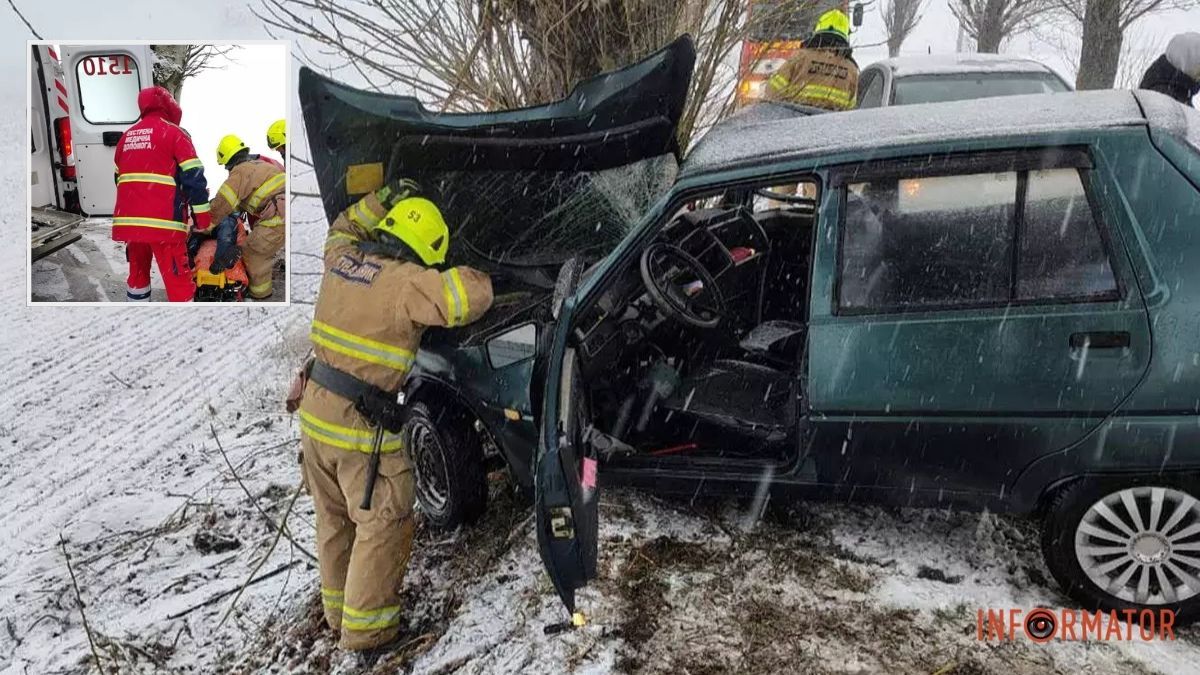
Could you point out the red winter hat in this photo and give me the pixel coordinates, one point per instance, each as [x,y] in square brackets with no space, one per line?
[158,99]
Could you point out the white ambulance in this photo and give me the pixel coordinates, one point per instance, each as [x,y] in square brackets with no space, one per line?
[81,99]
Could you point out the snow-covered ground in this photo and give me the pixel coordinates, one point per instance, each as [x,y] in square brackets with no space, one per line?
[92,269]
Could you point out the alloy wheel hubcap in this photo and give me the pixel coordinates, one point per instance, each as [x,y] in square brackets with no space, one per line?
[1142,545]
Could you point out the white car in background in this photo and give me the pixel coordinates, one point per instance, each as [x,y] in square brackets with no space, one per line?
[953,77]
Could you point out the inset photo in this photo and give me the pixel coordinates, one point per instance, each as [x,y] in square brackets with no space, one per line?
[157,172]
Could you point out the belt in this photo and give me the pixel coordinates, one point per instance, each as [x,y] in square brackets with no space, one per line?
[380,407]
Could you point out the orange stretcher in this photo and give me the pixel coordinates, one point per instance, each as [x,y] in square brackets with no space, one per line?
[228,285]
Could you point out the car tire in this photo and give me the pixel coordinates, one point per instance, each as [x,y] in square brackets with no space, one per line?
[447,455]
[1086,566]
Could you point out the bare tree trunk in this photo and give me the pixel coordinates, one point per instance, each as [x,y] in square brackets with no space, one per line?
[170,67]
[1101,51]
[991,28]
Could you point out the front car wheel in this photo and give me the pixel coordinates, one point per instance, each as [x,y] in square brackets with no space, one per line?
[447,456]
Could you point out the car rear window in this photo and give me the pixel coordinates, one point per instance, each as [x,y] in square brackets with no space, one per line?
[965,86]
[912,242]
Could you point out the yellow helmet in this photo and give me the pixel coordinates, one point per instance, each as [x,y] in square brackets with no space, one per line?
[277,134]
[229,146]
[418,222]
[834,21]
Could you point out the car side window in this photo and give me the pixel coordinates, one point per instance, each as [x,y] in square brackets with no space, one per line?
[870,90]
[1061,252]
[919,242]
[927,242]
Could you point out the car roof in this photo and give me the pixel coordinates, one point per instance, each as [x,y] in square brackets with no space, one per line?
[944,64]
[774,131]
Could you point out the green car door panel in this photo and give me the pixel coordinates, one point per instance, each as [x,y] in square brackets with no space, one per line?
[1163,209]
[960,387]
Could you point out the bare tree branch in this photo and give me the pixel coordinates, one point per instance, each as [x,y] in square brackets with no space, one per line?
[474,55]
[176,63]
[991,22]
[87,629]
[24,20]
[900,17]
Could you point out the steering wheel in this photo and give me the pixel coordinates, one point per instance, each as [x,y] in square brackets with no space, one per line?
[680,286]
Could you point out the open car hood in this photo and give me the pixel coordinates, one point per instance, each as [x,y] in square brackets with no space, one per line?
[518,188]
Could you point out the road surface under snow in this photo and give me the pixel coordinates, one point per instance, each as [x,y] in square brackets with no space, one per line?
[109,458]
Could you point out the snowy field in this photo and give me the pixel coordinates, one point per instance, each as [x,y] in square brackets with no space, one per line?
[148,449]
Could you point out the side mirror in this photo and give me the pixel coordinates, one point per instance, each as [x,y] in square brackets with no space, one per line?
[856,15]
[512,346]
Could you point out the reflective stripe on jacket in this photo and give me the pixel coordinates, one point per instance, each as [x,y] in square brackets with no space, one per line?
[816,77]
[370,314]
[250,187]
[158,175]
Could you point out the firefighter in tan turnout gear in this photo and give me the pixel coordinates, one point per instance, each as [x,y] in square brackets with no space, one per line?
[823,74]
[256,186]
[379,293]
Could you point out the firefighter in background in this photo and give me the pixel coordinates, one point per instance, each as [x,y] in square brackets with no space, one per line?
[823,74]
[277,138]
[379,293]
[158,176]
[256,186]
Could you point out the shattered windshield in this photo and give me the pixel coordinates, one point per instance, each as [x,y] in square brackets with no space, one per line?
[965,86]
[544,217]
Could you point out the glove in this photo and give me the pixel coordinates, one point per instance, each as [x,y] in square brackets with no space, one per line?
[224,258]
[396,191]
[193,247]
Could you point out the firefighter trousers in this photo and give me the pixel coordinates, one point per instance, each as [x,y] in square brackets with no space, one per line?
[263,242]
[173,266]
[363,555]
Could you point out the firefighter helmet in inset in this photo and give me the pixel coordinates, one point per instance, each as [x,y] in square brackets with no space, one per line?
[229,146]
[277,134]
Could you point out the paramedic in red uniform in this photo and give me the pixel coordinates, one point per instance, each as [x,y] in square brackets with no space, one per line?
[158,177]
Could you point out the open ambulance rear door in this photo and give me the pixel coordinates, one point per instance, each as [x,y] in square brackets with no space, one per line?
[103,82]
[54,199]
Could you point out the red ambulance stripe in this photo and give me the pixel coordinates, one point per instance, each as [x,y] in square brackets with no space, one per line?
[61,87]
[62,103]
[53,55]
